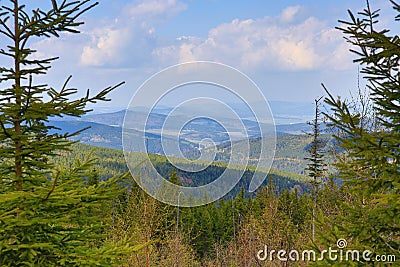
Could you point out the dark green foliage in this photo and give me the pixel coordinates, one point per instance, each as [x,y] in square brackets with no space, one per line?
[295,207]
[93,178]
[112,162]
[316,164]
[204,227]
[202,233]
[50,215]
[173,178]
[370,164]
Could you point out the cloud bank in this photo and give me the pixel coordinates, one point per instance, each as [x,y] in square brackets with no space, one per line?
[286,42]
[291,41]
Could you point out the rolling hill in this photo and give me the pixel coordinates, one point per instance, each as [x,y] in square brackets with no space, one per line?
[106,131]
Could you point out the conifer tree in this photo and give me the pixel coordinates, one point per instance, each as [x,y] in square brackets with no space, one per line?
[173,177]
[370,165]
[316,165]
[44,218]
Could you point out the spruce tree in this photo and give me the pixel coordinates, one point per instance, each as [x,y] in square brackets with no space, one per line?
[47,212]
[316,165]
[370,165]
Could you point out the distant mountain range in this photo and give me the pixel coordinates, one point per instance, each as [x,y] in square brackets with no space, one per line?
[155,122]
[106,131]
[284,112]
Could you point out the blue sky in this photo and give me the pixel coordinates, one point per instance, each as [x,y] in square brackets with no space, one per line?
[287,47]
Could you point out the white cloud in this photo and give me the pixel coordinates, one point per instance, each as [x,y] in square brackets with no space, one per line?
[67,48]
[131,38]
[186,53]
[290,13]
[286,42]
[107,44]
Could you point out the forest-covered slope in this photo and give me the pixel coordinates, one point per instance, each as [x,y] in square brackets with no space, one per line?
[111,162]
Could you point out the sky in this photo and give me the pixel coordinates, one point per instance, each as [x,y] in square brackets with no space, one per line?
[288,48]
